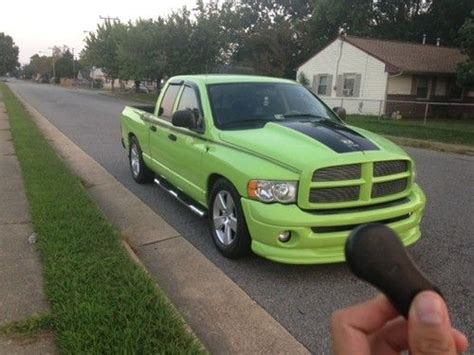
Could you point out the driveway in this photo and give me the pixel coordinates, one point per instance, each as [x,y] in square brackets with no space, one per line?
[301,298]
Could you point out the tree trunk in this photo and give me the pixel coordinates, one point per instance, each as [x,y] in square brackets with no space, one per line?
[113,84]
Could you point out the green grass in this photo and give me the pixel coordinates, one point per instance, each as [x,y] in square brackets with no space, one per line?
[445,131]
[101,301]
[28,328]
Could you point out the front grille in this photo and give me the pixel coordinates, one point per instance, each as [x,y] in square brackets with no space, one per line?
[391,167]
[389,188]
[376,206]
[337,173]
[334,194]
[349,227]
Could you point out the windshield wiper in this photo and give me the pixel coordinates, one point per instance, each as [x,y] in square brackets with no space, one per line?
[244,122]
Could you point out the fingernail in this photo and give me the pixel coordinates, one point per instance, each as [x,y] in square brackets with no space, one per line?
[429,308]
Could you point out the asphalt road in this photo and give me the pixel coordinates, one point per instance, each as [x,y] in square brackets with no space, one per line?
[301,298]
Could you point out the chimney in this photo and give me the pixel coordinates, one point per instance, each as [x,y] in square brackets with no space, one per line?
[424,39]
[438,40]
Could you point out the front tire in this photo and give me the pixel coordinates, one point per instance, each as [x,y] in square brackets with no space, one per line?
[227,221]
[140,172]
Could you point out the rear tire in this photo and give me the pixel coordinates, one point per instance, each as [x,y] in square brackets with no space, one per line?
[227,221]
[140,172]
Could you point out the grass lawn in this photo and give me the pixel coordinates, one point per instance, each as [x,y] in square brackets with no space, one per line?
[445,131]
[101,301]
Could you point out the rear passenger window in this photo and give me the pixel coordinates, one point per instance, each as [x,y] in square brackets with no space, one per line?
[166,108]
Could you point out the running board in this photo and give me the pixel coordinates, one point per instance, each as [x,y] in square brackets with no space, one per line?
[180,197]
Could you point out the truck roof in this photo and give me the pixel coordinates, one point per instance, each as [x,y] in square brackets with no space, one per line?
[231,78]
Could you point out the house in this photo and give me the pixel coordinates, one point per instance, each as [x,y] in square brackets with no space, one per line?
[373,76]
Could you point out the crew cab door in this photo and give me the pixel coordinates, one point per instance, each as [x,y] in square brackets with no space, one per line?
[176,151]
[159,130]
[187,146]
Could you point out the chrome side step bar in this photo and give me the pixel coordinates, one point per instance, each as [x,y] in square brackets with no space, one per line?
[179,196]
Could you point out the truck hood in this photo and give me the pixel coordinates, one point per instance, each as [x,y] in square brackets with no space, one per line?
[293,143]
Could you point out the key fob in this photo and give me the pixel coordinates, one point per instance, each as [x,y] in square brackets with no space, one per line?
[375,254]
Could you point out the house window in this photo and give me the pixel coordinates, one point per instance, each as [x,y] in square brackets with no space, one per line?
[422,87]
[349,85]
[323,85]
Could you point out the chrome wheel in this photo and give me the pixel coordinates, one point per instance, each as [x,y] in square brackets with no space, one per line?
[135,160]
[224,217]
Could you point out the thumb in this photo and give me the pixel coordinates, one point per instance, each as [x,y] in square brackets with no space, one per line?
[429,327]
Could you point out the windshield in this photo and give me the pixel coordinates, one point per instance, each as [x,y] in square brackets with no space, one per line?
[252,105]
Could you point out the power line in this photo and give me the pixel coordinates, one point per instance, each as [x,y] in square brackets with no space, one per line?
[108,18]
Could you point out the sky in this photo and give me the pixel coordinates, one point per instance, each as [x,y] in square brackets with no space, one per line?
[37,25]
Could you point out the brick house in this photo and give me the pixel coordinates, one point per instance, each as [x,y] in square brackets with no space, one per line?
[367,75]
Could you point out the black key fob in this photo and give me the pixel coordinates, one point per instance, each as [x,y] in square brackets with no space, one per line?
[375,254]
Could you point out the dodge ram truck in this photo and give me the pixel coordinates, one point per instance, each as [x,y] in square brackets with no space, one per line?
[274,169]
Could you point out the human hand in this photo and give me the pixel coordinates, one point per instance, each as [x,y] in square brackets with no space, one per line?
[375,327]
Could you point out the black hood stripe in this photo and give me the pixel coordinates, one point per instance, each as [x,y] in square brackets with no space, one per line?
[337,137]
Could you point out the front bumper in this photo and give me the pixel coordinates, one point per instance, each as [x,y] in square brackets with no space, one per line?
[266,221]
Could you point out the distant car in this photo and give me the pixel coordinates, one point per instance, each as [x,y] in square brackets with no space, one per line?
[143,88]
[4,79]
[276,170]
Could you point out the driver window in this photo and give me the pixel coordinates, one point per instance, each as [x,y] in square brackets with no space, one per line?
[189,101]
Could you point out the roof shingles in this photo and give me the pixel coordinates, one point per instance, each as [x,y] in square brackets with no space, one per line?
[410,57]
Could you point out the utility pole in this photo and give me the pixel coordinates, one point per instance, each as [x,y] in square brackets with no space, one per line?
[54,64]
[73,64]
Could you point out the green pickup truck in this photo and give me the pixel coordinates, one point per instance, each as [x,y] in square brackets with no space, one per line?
[274,169]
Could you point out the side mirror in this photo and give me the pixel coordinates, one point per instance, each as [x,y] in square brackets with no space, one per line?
[183,118]
[341,112]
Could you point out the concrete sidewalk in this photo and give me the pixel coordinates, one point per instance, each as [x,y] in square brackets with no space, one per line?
[21,284]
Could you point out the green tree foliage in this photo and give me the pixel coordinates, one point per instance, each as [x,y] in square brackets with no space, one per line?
[65,68]
[38,65]
[101,48]
[8,54]
[140,54]
[466,70]
[272,37]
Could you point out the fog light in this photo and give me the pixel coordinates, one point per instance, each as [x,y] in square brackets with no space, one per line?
[284,236]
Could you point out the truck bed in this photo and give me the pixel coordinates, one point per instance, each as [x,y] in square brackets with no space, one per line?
[146,108]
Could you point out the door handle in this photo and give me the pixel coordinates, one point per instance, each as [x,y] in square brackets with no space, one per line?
[172,137]
[153,128]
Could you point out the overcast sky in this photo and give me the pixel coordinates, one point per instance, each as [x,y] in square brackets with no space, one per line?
[36,25]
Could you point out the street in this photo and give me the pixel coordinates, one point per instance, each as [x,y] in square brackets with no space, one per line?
[301,298]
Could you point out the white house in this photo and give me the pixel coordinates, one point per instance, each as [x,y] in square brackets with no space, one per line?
[369,76]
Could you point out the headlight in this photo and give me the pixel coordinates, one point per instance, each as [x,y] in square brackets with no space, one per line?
[273,191]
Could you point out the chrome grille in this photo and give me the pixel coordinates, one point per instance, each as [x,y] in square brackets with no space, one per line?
[337,173]
[391,167]
[389,187]
[334,194]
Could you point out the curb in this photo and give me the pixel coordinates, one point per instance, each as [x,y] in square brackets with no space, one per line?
[226,320]
[438,146]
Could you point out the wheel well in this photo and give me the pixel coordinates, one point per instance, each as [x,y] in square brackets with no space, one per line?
[130,135]
[211,181]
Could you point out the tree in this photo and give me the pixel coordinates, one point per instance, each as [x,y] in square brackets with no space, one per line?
[101,49]
[465,75]
[38,65]
[141,54]
[8,54]
[64,65]
[269,35]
